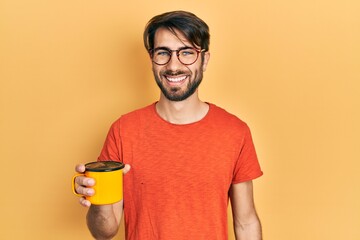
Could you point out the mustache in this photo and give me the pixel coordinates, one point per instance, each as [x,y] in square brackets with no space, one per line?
[173,73]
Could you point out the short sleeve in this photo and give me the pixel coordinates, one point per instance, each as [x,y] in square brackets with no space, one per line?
[247,166]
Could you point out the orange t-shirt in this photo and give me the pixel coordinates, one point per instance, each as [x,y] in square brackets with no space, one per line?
[177,188]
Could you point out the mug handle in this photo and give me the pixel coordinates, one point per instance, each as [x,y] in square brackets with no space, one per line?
[73,184]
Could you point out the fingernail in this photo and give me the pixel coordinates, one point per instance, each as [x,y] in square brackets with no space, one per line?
[90,192]
[86,203]
[91,182]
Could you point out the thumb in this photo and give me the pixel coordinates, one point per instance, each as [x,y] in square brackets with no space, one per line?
[126,169]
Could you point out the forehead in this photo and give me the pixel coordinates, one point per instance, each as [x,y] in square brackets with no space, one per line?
[166,38]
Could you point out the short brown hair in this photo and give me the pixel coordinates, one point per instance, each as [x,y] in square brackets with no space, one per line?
[194,29]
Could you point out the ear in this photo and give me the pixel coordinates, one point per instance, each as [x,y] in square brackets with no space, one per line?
[206,61]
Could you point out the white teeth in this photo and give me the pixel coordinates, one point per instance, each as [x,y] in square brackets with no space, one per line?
[178,79]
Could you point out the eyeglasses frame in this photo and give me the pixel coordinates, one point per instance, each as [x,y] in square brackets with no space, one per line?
[198,51]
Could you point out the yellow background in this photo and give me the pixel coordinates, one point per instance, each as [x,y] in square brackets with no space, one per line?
[290,69]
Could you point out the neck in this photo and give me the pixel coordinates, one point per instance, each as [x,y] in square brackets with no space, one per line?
[187,111]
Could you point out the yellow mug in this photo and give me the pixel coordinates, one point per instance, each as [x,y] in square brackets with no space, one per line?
[108,177]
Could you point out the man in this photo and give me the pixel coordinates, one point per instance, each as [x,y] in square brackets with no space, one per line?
[187,157]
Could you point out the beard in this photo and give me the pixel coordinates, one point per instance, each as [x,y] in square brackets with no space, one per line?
[176,93]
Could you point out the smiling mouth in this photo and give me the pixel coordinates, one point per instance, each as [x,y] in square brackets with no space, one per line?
[175,79]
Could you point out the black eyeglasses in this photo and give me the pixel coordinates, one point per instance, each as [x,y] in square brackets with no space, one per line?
[186,55]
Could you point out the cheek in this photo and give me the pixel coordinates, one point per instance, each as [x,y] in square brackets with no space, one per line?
[196,70]
[155,70]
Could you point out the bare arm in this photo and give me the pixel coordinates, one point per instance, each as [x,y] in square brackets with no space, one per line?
[246,222]
[103,220]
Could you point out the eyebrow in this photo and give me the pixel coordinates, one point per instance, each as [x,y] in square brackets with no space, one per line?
[168,49]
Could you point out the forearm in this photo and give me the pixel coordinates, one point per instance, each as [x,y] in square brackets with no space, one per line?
[103,221]
[247,225]
[248,231]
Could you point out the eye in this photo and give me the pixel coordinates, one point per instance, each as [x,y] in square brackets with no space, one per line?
[187,52]
[162,53]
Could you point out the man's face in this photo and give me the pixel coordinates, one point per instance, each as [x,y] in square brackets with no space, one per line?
[176,80]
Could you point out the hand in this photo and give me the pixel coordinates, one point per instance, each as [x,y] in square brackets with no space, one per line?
[85,184]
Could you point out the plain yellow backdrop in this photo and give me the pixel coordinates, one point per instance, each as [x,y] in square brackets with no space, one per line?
[290,69]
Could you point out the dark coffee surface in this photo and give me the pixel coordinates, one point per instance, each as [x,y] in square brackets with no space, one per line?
[103,166]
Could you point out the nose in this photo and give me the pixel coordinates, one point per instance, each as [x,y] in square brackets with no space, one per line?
[174,62]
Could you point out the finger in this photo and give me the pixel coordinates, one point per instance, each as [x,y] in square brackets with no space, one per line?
[84,202]
[85,191]
[85,181]
[80,168]
[126,169]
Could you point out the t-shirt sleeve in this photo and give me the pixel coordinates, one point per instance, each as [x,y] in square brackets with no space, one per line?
[247,166]
[112,147]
